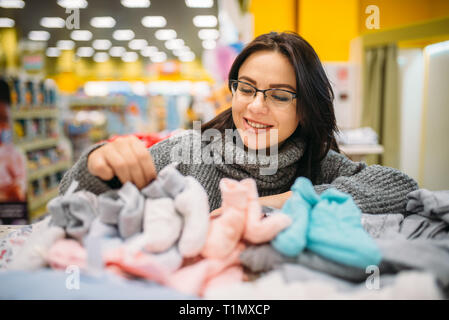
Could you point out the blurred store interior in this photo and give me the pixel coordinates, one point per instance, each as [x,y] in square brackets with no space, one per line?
[84,71]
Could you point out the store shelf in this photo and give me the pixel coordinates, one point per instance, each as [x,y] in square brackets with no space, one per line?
[35,203]
[34,113]
[47,170]
[37,144]
[97,102]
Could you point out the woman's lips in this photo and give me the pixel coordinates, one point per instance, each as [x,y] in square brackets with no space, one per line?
[255,130]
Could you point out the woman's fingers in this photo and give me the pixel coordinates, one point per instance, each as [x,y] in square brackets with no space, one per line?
[216,212]
[118,163]
[127,158]
[144,160]
[97,165]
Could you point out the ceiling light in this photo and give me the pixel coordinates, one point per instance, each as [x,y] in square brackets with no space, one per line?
[81,35]
[149,51]
[159,57]
[65,44]
[117,51]
[174,44]
[135,3]
[154,21]
[101,44]
[52,52]
[96,88]
[208,34]
[200,3]
[123,35]
[165,34]
[209,44]
[12,4]
[181,51]
[39,35]
[85,52]
[130,57]
[6,23]
[52,22]
[137,44]
[73,4]
[187,57]
[101,57]
[205,21]
[102,22]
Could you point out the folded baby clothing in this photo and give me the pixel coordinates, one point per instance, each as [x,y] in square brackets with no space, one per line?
[329,224]
[74,211]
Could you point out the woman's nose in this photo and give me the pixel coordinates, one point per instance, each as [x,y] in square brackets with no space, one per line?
[259,104]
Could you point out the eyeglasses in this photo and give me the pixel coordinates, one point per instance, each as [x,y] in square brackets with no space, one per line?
[276,97]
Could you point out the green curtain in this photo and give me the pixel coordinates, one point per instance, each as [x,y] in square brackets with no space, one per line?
[381,102]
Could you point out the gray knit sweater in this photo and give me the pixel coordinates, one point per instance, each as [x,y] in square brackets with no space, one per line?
[375,189]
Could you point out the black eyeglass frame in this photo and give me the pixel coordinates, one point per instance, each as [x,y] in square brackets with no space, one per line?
[294,95]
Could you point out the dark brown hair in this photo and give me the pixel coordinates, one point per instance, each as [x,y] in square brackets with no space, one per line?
[314,103]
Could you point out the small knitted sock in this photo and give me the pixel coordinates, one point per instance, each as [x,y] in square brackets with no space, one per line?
[192,278]
[101,237]
[162,224]
[262,258]
[173,182]
[155,190]
[259,229]
[131,215]
[82,209]
[138,263]
[292,240]
[58,211]
[67,252]
[109,207]
[170,259]
[169,183]
[192,203]
[73,211]
[226,230]
[336,231]
[98,229]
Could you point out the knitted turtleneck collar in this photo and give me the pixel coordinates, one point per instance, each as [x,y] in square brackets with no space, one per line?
[275,171]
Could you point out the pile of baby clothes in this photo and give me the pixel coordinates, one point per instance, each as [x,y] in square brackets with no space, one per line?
[333,251]
[162,233]
[315,247]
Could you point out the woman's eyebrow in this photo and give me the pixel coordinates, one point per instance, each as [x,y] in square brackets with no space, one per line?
[273,85]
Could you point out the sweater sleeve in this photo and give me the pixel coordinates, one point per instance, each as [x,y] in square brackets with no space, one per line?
[375,188]
[80,173]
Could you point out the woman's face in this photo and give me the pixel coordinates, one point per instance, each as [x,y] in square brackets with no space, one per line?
[265,70]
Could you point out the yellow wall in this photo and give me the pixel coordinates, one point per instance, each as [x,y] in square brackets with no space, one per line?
[269,15]
[329,26]
[396,13]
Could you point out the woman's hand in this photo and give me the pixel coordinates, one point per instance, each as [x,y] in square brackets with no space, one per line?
[127,158]
[216,212]
[275,201]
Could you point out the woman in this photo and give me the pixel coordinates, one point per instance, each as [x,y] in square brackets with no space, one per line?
[282,101]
